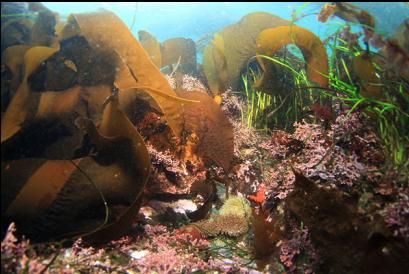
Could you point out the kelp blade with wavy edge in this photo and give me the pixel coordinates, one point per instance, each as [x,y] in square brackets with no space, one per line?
[116,124]
[23,104]
[57,103]
[212,70]
[236,44]
[49,204]
[14,59]
[215,66]
[272,40]
[106,30]
[120,170]
[152,47]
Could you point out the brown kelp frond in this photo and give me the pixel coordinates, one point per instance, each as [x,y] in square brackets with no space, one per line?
[365,70]
[135,68]
[168,96]
[23,104]
[211,132]
[152,47]
[180,51]
[136,162]
[271,40]
[224,58]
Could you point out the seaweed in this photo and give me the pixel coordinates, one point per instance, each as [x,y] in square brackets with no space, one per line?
[224,58]
[180,51]
[271,40]
[152,46]
[99,144]
[22,105]
[134,70]
[210,129]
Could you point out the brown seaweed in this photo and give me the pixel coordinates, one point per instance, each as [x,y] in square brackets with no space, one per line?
[135,69]
[179,50]
[271,40]
[23,104]
[152,46]
[119,170]
[365,71]
[232,56]
[211,127]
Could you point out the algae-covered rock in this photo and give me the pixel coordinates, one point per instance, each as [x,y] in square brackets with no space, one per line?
[233,219]
[346,240]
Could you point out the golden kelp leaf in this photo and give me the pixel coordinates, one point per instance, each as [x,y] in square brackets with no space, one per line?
[13,178]
[152,47]
[240,40]
[15,32]
[52,195]
[53,132]
[57,103]
[62,109]
[363,68]
[95,97]
[106,30]
[69,29]
[56,113]
[271,40]
[43,31]
[136,162]
[215,66]
[179,50]
[211,70]
[14,59]
[119,171]
[239,45]
[214,131]
[41,188]
[23,104]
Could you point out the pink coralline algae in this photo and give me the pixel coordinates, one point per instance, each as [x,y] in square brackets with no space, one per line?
[322,156]
[397,216]
[172,252]
[291,249]
[15,255]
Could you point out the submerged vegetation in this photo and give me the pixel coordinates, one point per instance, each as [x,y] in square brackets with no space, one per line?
[125,155]
[368,87]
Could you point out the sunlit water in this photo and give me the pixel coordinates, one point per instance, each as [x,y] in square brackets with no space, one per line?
[194,19]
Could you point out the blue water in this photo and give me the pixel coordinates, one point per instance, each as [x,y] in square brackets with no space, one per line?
[194,19]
